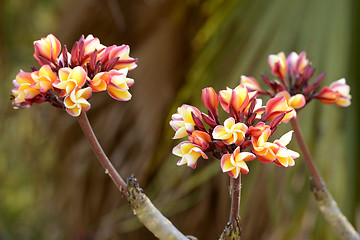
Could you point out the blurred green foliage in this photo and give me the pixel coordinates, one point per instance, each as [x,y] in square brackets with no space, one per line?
[230,38]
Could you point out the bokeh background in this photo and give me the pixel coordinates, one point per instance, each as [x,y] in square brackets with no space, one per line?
[51,185]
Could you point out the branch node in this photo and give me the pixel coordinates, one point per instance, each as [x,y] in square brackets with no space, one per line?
[232,230]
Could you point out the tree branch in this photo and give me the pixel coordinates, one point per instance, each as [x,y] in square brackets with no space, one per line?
[327,205]
[141,205]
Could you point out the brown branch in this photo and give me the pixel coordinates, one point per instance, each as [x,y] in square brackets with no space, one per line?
[327,205]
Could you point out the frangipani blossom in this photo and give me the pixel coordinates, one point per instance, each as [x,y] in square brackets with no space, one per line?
[118,84]
[182,121]
[44,78]
[210,100]
[295,73]
[297,101]
[99,82]
[77,102]
[66,72]
[200,138]
[297,63]
[69,79]
[258,129]
[189,154]
[238,98]
[250,83]
[276,106]
[225,96]
[24,89]
[91,44]
[285,157]
[278,65]
[235,163]
[231,132]
[122,53]
[265,151]
[337,93]
[244,128]
[47,48]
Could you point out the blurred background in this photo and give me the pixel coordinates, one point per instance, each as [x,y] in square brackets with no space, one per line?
[51,184]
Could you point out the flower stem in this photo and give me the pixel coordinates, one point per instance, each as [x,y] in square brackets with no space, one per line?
[232,230]
[235,197]
[316,180]
[99,152]
[327,205]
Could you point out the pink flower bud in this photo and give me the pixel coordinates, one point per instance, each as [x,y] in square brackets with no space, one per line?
[337,93]
[278,65]
[211,100]
[202,139]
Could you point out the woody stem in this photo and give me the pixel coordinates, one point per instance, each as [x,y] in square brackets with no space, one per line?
[327,205]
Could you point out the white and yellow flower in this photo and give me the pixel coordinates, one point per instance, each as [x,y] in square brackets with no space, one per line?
[189,154]
[235,163]
[77,102]
[231,132]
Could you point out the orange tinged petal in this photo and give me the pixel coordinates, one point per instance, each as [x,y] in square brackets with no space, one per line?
[297,101]
[99,82]
[79,75]
[250,83]
[224,96]
[276,106]
[239,98]
[118,93]
[226,164]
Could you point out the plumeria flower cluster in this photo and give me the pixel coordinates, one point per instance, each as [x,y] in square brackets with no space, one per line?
[242,137]
[294,74]
[68,79]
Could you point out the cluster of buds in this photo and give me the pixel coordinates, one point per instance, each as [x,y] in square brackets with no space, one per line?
[294,74]
[68,79]
[242,137]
